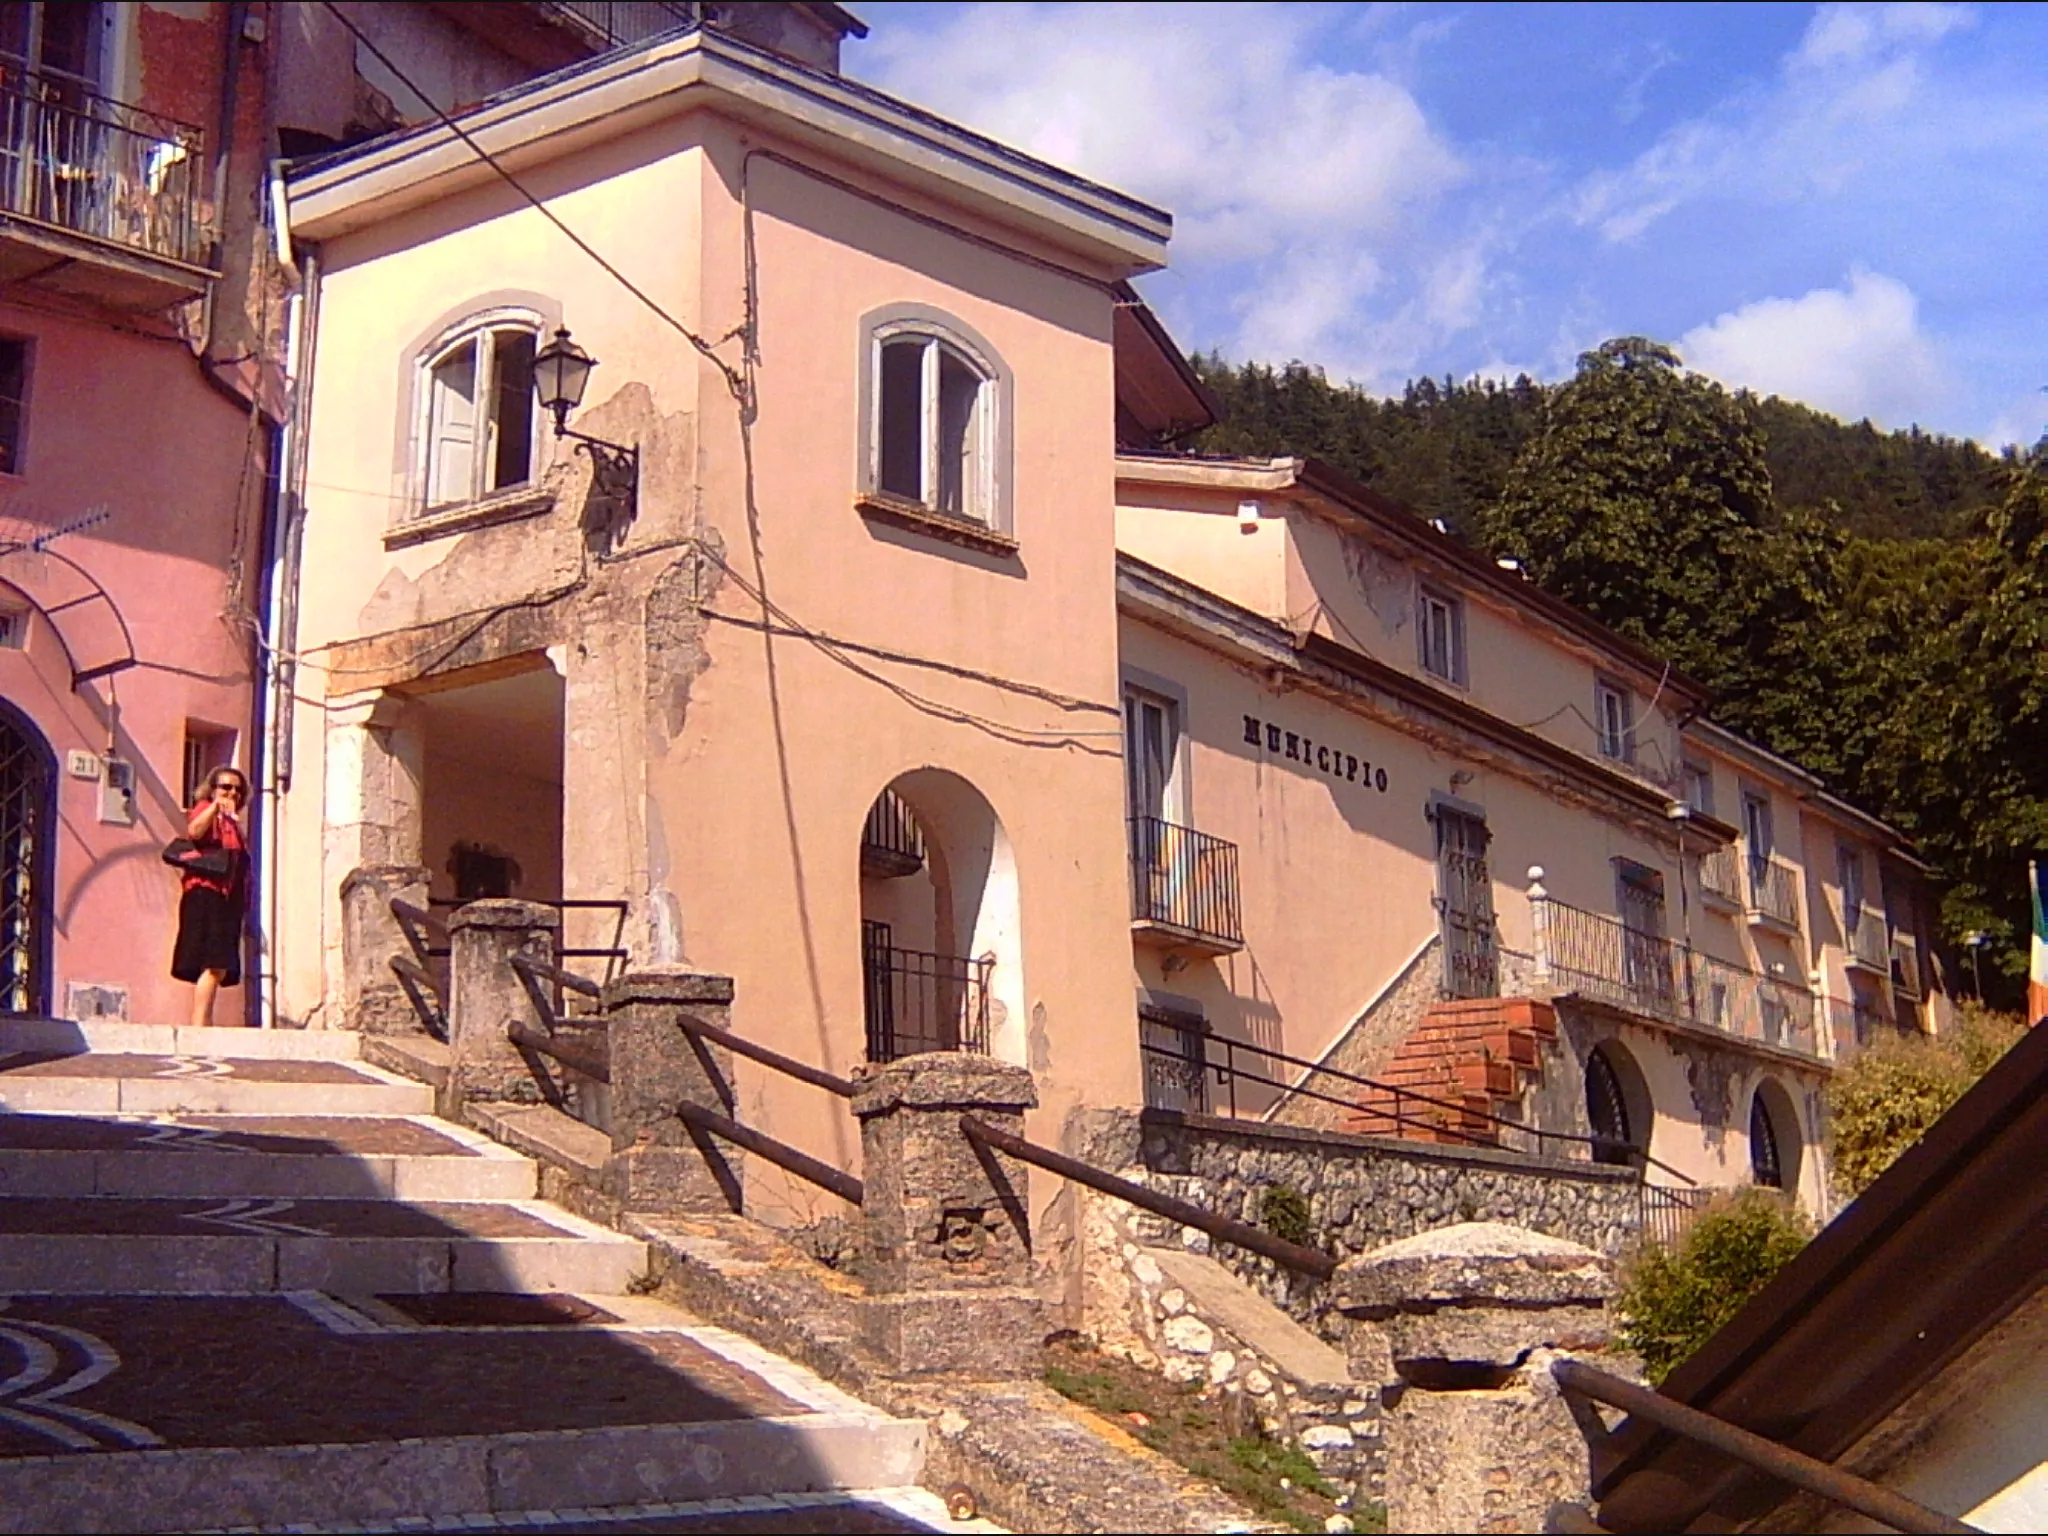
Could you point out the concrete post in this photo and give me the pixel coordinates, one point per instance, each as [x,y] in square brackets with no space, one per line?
[658,1163]
[947,1247]
[1539,922]
[1477,1435]
[371,998]
[485,995]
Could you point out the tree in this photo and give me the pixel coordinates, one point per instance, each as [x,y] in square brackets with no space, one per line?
[1885,1099]
[1673,1299]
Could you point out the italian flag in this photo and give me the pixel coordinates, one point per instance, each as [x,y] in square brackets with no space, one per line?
[2037,966]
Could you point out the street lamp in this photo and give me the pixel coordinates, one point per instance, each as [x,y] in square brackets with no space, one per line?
[561,370]
[1974,941]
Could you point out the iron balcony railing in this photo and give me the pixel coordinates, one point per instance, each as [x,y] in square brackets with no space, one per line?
[1774,891]
[627,22]
[1856,1023]
[102,168]
[1603,958]
[891,843]
[1185,881]
[1868,940]
[919,1001]
[1721,875]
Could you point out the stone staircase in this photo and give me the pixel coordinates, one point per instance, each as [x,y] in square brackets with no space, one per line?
[1477,1056]
[248,1280]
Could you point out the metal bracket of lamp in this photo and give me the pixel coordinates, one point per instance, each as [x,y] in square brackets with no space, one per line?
[561,369]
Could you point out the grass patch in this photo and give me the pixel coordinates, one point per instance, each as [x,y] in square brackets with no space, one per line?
[1202,1434]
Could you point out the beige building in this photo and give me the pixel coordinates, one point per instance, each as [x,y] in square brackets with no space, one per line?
[862,641]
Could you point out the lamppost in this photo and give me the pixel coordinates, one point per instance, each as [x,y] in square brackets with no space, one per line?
[1974,941]
[561,369]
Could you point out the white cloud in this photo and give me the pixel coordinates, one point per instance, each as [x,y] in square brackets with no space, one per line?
[1308,184]
[1855,351]
[1856,77]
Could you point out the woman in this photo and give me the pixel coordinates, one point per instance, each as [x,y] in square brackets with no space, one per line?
[209,948]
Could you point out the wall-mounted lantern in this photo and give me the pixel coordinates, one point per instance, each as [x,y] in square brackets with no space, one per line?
[561,369]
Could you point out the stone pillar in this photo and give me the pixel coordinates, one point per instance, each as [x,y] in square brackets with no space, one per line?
[372,810]
[947,1246]
[485,994]
[372,1000]
[657,1162]
[1477,1435]
[1539,922]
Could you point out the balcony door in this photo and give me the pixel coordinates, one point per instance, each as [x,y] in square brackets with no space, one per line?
[1152,755]
[1464,904]
[1645,953]
[1756,831]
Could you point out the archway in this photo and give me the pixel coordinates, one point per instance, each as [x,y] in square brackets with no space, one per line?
[1618,1107]
[1775,1144]
[941,958]
[28,778]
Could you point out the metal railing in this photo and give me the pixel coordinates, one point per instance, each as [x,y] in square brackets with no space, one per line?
[1184,880]
[1668,1214]
[424,988]
[626,22]
[102,168]
[1721,875]
[916,1000]
[1177,1063]
[1856,1023]
[1774,891]
[1603,958]
[615,954]
[1578,1379]
[891,843]
[1867,939]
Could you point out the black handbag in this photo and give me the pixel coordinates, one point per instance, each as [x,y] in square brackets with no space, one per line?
[188,858]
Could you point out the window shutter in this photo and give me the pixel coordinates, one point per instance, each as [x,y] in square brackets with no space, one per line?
[451,427]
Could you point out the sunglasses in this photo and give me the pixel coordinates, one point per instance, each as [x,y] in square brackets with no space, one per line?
[240,791]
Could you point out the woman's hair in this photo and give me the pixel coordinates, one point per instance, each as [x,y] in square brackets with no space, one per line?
[213,778]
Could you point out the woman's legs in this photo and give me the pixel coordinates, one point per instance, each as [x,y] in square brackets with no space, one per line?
[204,990]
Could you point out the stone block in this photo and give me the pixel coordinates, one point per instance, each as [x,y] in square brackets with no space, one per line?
[940,1214]
[655,1063]
[994,1334]
[487,995]
[1473,1263]
[371,997]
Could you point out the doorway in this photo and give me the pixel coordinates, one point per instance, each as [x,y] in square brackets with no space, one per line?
[28,777]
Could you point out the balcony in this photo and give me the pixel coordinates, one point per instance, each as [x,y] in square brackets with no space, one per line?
[891,842]
[1602,959]
[99,200]
[918,1001]
[1866,942]
[1721,880]
[1856,1023]
[1183,888]
[1774,895]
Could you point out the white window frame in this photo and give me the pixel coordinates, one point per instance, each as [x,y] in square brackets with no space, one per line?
[1431,601]
[475,332]
[1172,789]
[1855,892]
[1698,782]
[1616,736]
[978,494]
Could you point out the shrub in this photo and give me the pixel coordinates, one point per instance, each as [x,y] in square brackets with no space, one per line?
[1673,1298]
[1284,1210]
[1884,1100]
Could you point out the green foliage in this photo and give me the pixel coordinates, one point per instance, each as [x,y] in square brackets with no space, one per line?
[1884,1100]
[1284,1211]
[1270,1459]
[1672,1299]
[1872,605]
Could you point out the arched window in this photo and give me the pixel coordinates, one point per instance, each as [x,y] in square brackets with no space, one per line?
[1766,1166]
[1607,1110]
[477,419]
[935,401]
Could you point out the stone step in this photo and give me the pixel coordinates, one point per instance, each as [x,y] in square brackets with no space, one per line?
[109,1083]
[64,1038]
[162,1413]
[243,1246]
[363,1156]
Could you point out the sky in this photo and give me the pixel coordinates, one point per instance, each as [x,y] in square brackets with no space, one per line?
[1844,204]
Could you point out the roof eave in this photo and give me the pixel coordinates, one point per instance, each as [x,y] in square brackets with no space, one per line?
[704,70]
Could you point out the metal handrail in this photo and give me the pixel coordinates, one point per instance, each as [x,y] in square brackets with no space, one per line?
[1229,1072]
[419,986]
[537,971]
[786,1065]
[804,1166]
[416,924]
[1307,1261]
[1753,1450]
[589,1058]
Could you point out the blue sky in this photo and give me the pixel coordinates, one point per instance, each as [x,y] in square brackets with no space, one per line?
[1843,204]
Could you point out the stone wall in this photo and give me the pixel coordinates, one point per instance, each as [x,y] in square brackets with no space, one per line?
[1361,1192]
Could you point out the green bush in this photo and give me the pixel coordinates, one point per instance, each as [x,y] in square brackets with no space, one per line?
[1284,1210]
[1885,1099]
[1673,1298]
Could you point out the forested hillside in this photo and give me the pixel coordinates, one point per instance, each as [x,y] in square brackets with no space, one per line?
[1873,605]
